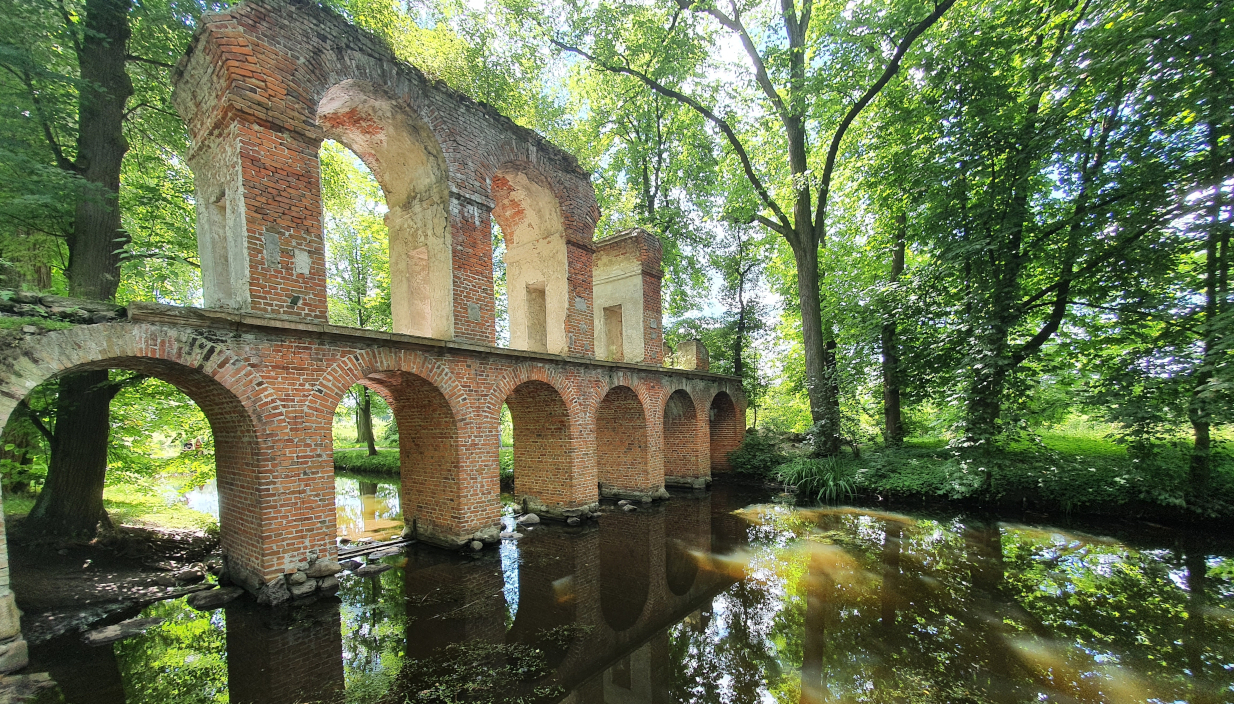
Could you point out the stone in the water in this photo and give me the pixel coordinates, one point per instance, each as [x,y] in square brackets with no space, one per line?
[350,565]
[529,519]
[213,598]
[344,541]
[629,508]
[324,568]
[190,576]
[623,503]
[119,631]
[476,545]
[383,553]
[328,585]
[370,570]
[165,579]
[304,589]
[487,534]
[573,521]
[297,578]
[510,535]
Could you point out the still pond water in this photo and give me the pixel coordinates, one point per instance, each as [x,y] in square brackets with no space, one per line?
[716,597]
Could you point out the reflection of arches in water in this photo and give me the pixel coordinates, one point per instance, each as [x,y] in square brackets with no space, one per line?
[687,529]
[546,597]
[277,656]
[680,567]
[625,568]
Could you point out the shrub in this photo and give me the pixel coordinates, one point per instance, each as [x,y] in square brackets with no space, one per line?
[758,455]
[505,463]
[824,480]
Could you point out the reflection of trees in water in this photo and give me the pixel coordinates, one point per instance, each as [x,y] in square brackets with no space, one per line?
[374,616]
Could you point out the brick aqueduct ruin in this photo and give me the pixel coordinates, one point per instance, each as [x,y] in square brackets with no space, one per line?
[596,413]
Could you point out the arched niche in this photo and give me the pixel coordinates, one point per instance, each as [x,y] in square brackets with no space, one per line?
[726,430]
[406,159]
[536,267]
[682,451]
[541,442]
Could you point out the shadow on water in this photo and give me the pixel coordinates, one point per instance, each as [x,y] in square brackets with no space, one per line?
[713,598]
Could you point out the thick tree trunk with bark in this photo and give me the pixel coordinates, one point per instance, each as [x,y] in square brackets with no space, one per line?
[94,264]
[893,426]
[822,384]
[364,421]
[71,502]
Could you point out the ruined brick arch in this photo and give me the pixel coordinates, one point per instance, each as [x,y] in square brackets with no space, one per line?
[537,264]
[727,429]
[239,406]
[263,83]
[405,157]
[685,449]
[427,403]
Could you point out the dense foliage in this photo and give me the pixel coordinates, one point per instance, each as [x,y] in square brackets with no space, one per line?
[971,225]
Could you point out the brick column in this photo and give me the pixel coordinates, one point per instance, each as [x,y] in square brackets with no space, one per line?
[471,235]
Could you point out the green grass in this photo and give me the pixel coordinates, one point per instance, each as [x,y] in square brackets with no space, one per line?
[1077,468]
[129,505]
[7,323]
[384,462]
[387,461]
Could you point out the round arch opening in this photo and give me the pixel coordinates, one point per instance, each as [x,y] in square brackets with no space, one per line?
[541,439]
[529,220]
[621,441]
[726,430]
[682,451]
[406,159]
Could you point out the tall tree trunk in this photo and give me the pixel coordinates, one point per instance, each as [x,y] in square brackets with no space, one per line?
[893,425]
[94,264]
[822,381]
[364,421]
[71,501]
[1199,409]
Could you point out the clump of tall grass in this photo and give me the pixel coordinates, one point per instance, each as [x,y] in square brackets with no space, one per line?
[826,479]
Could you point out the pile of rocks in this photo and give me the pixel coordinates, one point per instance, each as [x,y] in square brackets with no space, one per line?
[27,304]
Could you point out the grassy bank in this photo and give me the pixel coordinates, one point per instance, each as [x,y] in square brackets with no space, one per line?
[129,505]
[1076,471]
[387,461]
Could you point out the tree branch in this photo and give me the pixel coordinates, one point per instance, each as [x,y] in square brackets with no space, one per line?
[144,60]
[889,72]
[735,25]
[35,420]
[698,107]
[28,81]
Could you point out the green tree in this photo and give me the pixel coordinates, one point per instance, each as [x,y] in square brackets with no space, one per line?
[811,71]
[67,71]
